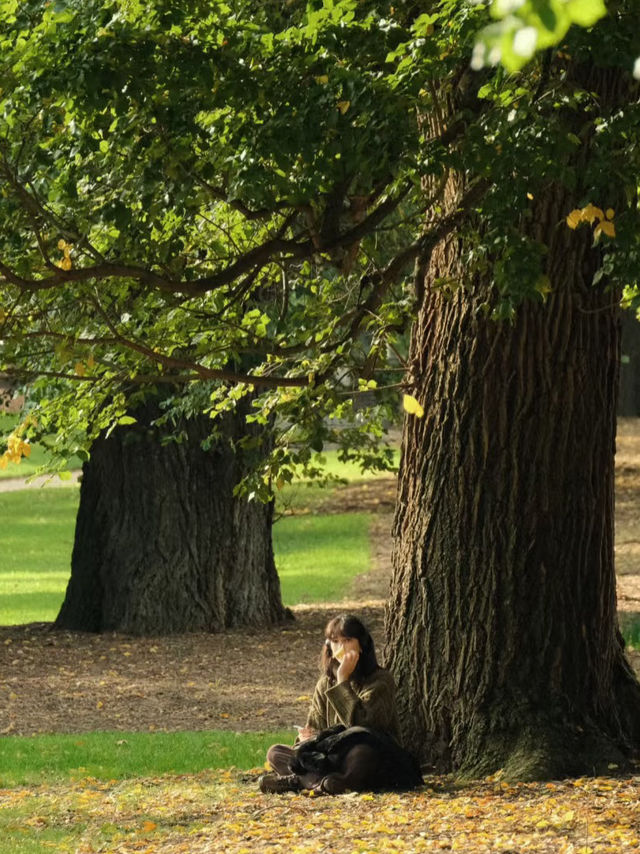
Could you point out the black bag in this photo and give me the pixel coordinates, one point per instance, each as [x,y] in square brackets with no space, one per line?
[325,753]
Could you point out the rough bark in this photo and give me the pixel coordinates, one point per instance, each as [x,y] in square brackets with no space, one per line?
[162,545]
[502,620]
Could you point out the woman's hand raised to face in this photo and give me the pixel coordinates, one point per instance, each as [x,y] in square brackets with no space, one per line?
[347,665]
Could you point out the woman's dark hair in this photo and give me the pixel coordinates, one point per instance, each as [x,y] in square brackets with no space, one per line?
[348,626]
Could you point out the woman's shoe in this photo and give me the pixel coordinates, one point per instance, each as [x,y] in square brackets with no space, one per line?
[275,784]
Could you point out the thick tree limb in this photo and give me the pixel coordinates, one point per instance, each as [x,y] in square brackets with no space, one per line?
[250,263]
[420,250]
[150,379]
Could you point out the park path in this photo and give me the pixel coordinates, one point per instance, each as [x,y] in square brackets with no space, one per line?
[13,484]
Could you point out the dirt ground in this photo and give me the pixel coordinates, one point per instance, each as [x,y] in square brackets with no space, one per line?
[240,680]
[628,514]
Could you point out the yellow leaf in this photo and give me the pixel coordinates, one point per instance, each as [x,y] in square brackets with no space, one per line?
[303,697]
[574,219]
[343,106]
[590,213]
[80,369]
[530,196]
[412,406]
[62,244]
[610,213]
[148,826]
[322,78]
[495,777]
[605,227]
[65,264]
[99,704]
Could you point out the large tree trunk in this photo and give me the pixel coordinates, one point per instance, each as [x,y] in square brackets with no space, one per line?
[162,545]
[502,620]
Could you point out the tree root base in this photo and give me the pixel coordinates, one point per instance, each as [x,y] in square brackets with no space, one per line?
[537,753]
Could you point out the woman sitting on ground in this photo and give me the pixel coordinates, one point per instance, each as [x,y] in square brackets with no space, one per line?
[351,737]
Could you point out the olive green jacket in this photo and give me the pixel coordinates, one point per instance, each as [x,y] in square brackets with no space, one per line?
[369,703]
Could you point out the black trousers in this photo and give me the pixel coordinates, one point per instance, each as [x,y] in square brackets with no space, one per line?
[358,767]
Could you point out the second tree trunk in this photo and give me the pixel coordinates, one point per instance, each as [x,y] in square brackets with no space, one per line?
[162,545]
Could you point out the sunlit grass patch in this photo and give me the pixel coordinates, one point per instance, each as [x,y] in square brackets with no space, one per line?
[352,471]
[630,628]
[301,497]
[308,496]
[319,556]
[36,539]
[40,759]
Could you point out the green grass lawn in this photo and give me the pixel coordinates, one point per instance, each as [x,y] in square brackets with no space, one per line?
[36,538]
[317,556]
[27,465]
[30,760]
[630,629]
[351,471]
[57,786]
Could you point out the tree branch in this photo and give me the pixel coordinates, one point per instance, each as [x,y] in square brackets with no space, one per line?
[249,263]
[421,250]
